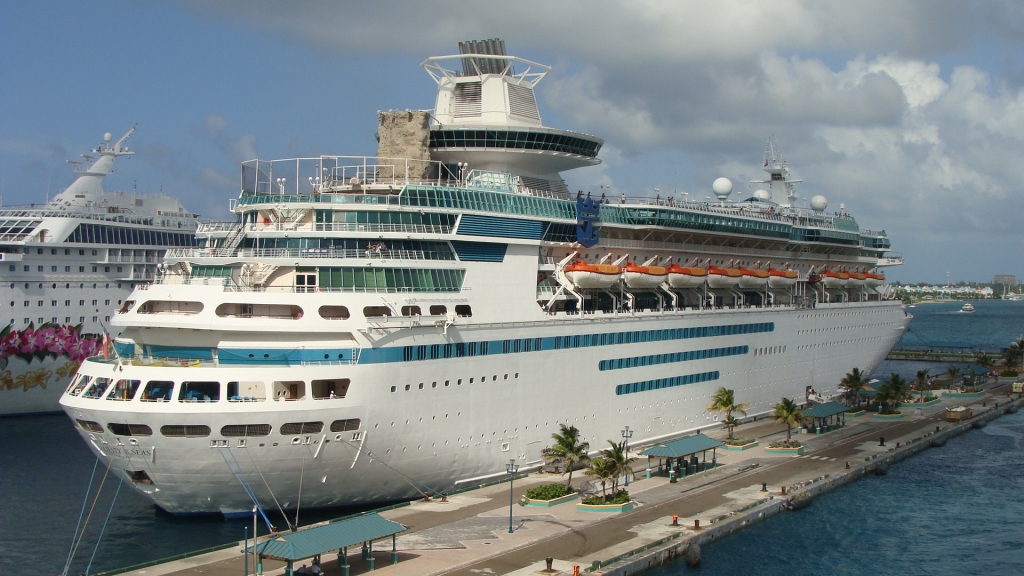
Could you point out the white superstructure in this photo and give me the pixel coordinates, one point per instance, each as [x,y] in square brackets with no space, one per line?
[66,266]
[376,328]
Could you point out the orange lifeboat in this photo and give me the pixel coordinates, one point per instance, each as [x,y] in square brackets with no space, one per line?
[834,279]
[781,278]
[753,279]
[592,276]
[686,277]
[856,280]
[644,277]
[874,280]
[724,277]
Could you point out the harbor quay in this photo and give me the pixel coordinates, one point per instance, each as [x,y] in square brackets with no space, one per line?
[468,532]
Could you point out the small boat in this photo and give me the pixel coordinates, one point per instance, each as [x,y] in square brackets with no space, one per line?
[834,279]
[781,278]
[644,277]
[592,276]
[686,277]
[874,280]
[857,280]
[724,277]
[967,307]
[753,279]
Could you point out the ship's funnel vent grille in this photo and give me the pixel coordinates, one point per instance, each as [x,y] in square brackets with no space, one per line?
[467,99]
[522,102]
[476,66]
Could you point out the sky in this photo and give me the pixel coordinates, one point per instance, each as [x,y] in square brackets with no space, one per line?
[910,114]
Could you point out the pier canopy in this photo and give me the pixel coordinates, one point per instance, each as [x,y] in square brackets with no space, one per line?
[292,546]
[682,447]
[824,410]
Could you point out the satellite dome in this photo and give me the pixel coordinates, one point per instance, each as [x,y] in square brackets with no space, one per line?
[762,195]
[108,137]
[819,203]
[722,187]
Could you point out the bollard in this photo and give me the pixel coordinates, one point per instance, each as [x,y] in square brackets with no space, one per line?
[764,486]
[575,571]
[394,558]
[369,564]
[881,440]
[675,520]
[937,429]
[847,464]
[783,490]
[897,444]
[696,523]
[549,561]
[672,476]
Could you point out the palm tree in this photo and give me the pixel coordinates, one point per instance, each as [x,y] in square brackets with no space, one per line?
[1014,353]
[724,400]
[620,465]
[568,450]
[953,372]
[788,412]
[922,379]
[854,382]
[892,392]
[603,470]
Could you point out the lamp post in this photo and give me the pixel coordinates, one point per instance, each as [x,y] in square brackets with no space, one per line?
[626,435]
[511,468]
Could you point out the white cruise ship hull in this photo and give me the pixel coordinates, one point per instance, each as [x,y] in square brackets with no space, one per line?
[439,434]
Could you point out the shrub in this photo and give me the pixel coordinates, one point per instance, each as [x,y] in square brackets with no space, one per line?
[785,444]
[548,491]
[740,441]
[592,500]
[1009,374]
[621,497]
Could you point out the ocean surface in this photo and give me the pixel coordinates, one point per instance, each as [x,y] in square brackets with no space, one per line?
[954,510]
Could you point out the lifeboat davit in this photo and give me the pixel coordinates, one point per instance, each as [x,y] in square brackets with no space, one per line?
[686,277]
[874,280]
[724,277]
[834,279]
[592,276]
[781,279]
[753,279]
[856,280]
[644,277]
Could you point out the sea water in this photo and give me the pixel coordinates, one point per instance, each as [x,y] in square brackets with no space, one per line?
[957,501]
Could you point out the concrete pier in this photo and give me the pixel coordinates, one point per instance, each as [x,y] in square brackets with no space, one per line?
[468,534]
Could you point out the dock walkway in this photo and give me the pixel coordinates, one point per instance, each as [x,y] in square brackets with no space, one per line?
[468,535]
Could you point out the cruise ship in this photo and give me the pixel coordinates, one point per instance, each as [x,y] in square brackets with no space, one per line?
[388,327]
[66,266]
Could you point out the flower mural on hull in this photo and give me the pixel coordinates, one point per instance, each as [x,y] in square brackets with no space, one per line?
[47,341]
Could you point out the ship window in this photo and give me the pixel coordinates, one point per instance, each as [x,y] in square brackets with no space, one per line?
[124,390]
[411,311]
[293,428]
[245,430]
[334,312]
[157,391]
[98,387]
[327,389]
[463,310]
[80,381]
[170,307]
[199,392]
[289,390]
[247,391]
[438,310]
[89,426]
[185,431]
[345,425]
[119,429]
[375,311]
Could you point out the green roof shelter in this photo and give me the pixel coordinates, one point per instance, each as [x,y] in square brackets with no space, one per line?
[826,417]
[679,457]
[339,535]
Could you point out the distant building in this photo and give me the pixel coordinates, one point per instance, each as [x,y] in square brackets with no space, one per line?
[1008,279]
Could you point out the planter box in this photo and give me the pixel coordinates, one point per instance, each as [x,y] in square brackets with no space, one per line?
[799,450]
[605,507]
[887,416]
[856,414]
[964,395]
[550,503]
[740,448]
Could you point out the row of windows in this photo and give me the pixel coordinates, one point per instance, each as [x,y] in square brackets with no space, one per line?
[27,268]
[654,359]
[517,139]
[391,279]
[770,350]
[102,234]
[66,303]
[660,383]
[485,201]
[81,285]
[461,349]
[380,217]
[230,430]
[447,383]
[125,390]
[67,320]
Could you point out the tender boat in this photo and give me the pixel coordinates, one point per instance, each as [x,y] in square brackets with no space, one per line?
[644,277]
[686,277]
[724,277]
[781,279]
[593,276]
[753,279]
[967,307]
[874,280]
[832,279]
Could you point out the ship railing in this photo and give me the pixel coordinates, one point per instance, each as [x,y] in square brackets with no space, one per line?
[15,237]
[302,176]
[386,228]
[346,253]
[711,250]
[217,226]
